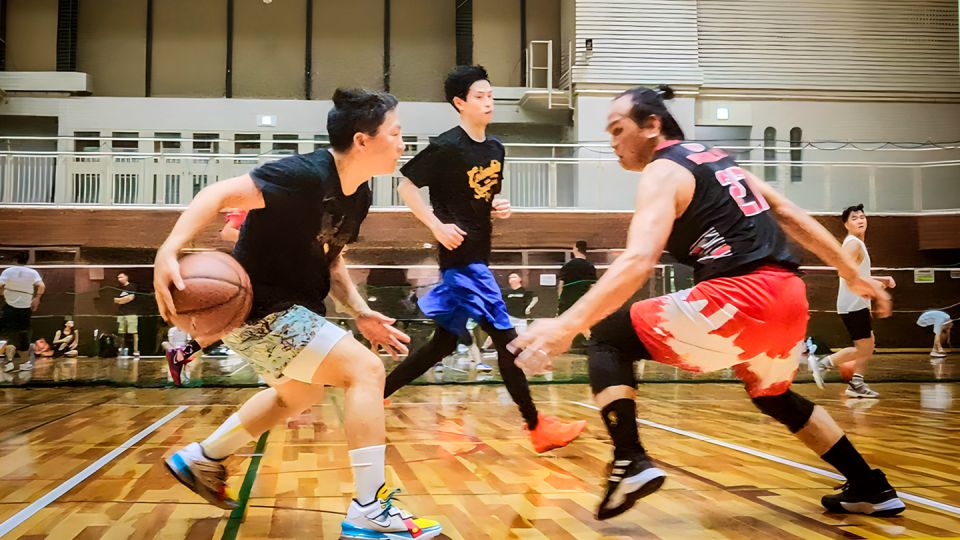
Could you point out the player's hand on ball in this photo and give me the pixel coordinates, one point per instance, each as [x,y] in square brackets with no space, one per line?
[449,235]
[543,340]
[166,272]
[870,288]
[502,208]
[378,330]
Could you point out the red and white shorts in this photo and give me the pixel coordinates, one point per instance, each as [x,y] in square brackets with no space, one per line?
[754,323]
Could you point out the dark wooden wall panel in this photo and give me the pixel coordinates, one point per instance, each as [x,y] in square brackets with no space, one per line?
[893,240]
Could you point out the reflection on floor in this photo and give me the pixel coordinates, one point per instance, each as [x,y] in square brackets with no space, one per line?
[231,370]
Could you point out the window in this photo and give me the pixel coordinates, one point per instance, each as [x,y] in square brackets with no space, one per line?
[247,143]
[281,145]
[86,145]
[206,143]
[769,154]
[167,146]
[796,155]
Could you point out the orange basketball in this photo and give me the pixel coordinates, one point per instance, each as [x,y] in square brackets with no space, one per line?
[847,370]
[217,297]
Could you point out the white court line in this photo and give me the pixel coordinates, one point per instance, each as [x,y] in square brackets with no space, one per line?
[790,463]
[63,488]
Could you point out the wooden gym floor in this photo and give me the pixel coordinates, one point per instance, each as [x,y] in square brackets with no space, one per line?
[84,463]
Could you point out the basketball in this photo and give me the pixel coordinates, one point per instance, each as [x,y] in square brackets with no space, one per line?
[216,297]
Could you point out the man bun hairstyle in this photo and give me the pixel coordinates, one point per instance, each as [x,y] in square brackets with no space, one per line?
[356,110]
[647,102]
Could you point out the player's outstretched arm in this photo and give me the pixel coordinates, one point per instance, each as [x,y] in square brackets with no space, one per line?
[651,225]
[239,192]
[810,234]
[375,326]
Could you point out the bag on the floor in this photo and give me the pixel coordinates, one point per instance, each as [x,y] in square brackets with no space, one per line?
[109,347]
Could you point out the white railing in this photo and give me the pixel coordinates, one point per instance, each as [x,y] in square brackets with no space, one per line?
[577,175]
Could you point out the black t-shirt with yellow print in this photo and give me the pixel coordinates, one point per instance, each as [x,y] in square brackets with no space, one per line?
[463,177]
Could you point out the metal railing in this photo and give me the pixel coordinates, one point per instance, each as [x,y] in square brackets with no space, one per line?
[577,175]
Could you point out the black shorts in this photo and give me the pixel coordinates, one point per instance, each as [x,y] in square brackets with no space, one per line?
[858,324]
[15,319]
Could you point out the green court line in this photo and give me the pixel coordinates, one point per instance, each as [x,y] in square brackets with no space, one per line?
[236,516]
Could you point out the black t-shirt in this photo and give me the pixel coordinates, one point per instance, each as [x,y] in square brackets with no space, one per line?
[463,176]
[727,229]
[130,308]
[517,301]
[287,246]
[576,270]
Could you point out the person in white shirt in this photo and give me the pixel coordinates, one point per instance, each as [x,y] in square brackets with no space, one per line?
[854,310]
[21,288]
[942,324]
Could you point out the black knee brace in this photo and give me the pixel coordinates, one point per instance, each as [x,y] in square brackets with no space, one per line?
[612,350]
[790,409]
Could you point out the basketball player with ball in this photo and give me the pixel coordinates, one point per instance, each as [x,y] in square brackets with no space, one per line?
[303,210]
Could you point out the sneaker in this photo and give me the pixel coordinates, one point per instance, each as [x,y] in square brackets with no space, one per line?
[26,366]
[175,364]
[9,367]
[860,390]
[438,368]
[629,480]
[815,369]
[938,354]
[381,520]
[878,499]
[551,433]
[202,475]
[484,368]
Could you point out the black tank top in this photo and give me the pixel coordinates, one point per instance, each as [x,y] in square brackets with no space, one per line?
[727,230]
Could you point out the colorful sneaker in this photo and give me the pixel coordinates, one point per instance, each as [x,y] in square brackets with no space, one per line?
[175,364]
[551,433]
[860,390]
[629,481]
[876,499]
[381,520]
[202,475]
[815,369]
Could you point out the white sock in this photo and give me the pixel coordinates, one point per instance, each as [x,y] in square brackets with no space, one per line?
[227,439]
[368,474]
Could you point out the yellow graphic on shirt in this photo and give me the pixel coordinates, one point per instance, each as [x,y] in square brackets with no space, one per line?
[483,180]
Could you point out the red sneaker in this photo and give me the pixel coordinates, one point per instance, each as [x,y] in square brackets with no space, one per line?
[551,433]
[175,363]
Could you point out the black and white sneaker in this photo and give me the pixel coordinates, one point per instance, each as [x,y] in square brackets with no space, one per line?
[630,480]
[876,499]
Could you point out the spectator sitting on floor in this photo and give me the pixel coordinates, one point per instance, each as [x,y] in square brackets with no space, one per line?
[66,341]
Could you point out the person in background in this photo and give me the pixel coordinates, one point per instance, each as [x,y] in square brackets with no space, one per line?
[942,324]
[21,288]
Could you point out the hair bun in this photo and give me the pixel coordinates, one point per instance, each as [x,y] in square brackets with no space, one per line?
[666,93]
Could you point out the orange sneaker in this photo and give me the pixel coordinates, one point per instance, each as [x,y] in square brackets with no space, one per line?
[551,433]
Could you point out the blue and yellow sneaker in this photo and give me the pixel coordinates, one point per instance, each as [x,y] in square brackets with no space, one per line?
[204,476]
[381,520]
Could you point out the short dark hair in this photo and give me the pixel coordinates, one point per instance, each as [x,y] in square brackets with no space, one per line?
[581,246]
[647,101]
[122,274]
[22,257]
[849,210]
[460,79]
[356,110]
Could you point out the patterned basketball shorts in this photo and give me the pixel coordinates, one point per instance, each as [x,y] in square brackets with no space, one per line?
[288,344]
[753,323]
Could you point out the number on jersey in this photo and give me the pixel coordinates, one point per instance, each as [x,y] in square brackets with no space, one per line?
[750,203]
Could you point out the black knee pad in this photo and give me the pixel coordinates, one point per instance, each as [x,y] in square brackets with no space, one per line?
[790,409]
[606,367]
